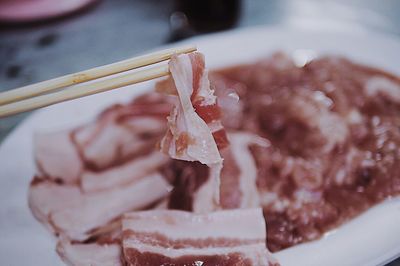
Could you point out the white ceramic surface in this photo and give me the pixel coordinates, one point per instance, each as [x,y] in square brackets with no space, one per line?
[371,239]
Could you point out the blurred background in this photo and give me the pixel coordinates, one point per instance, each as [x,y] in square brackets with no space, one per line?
[41,39]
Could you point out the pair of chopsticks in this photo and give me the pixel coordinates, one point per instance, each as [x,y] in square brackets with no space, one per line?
[65,88]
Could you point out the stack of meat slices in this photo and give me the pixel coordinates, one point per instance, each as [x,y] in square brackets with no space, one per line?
[109,195]
[88,177]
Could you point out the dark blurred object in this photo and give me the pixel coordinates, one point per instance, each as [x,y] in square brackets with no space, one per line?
[210,15]
[203,16]
[23,11]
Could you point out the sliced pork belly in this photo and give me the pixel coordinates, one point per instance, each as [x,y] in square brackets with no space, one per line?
[106,143]
[56,156]
[75,214]
[123,174]
[99,208]
[238,177]
[238,189]
[160,237]
[122,132]
[228,94]
[45,197]
[93,254]
[194,126]
[207,197]
[195,132]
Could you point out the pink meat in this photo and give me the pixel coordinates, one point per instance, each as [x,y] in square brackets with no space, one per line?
[75,214]
[207,197]
[238,177]
[122,174]
[195,132]
[93,254]
[160,237]
[56,156]
[107,142]
[196,116]
[45,197]
[91,175]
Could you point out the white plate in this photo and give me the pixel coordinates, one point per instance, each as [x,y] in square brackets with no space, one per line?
[371,239]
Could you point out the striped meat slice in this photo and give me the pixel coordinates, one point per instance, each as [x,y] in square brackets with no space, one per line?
[159,237]
[102,249]
[49,148]
[194,128]
[238,177]
[124,174]
[110,141]
[195,132]
[72,213]
[93,254]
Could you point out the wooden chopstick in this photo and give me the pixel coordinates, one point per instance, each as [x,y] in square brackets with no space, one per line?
[82,90]
[94,73]
[52,91]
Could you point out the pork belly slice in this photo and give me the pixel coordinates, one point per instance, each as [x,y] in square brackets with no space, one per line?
[207,197]
[56,157]
[194,124]
[109,142]
[247,255]
[193,182]
[160,237]
[75,214]
[44,197]
[195,132]
[122,132]
[238,177]
[227,92]
[93,254]
[123,174]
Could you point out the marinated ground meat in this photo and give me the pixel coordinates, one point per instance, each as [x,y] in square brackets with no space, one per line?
[334,133]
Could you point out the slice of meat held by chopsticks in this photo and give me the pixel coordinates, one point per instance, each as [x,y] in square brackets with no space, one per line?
[194,130]
[165,237]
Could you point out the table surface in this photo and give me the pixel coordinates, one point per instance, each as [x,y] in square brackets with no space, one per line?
[116,29]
